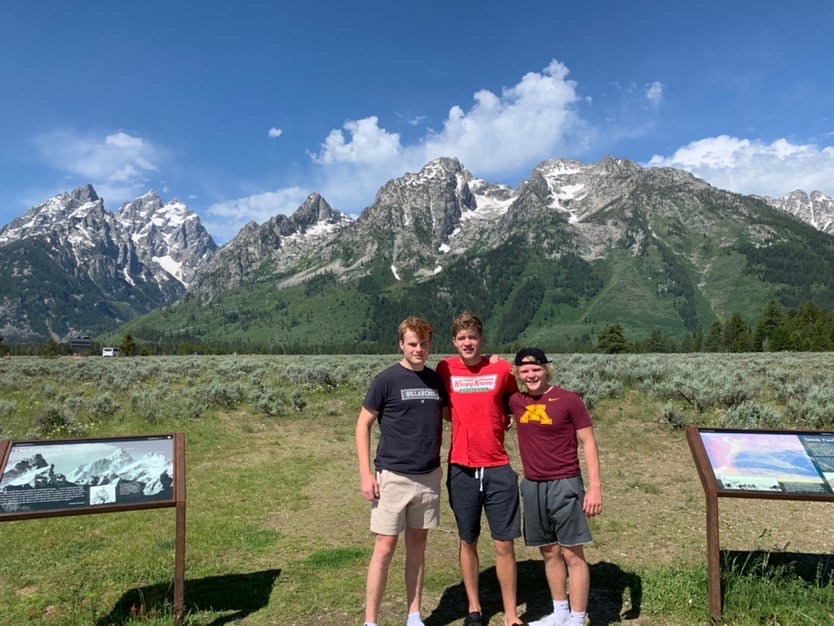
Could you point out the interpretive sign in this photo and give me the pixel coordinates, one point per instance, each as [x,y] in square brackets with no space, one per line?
[787,465]
[80,476]
[63,476]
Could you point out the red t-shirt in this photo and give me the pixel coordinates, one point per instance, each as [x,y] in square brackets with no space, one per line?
[478,396]
[546,427]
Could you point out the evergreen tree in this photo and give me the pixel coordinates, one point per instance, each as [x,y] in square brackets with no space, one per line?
[714,341]
[611,340]
[769,335]
[128,346]
[737,336]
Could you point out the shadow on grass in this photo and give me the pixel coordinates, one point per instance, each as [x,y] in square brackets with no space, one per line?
[241,594]
[609,585]
[812,568]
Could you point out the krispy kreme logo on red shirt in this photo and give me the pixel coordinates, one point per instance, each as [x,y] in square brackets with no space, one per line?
[474,384]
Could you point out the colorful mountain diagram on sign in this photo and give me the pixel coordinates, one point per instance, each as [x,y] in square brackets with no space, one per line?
[778,462]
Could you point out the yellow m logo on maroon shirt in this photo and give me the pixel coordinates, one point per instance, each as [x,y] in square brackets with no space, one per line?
[536,413]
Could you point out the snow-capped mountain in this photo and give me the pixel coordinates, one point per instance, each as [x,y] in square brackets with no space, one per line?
[815,208]
[169,235]
[71,267]
[287,244]
[120,465]
[147,470]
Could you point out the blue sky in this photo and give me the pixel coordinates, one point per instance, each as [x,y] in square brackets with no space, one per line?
[242,108]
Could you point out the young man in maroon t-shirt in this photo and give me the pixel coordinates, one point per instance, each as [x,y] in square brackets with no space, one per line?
[550,423]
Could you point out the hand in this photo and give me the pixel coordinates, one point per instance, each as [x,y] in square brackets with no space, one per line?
[592,504]
[370,488]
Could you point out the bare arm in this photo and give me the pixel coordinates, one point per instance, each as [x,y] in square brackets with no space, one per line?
[593,493]
[367,476]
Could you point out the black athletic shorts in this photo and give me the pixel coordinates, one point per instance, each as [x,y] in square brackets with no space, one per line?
[493,490]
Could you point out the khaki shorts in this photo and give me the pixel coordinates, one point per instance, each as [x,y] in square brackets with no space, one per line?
[406,501]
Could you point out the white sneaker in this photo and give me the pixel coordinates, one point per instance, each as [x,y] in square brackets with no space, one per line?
[550,620]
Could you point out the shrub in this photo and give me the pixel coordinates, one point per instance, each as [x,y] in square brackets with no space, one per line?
[103,406]
[751,414]
[816,410]
[273,402]
[53,422]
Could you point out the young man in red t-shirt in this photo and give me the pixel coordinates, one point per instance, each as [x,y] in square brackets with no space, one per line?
[480,477]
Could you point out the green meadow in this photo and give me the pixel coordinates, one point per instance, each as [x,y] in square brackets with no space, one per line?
[277,531]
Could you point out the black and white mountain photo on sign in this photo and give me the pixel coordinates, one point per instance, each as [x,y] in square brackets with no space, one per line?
[69,474]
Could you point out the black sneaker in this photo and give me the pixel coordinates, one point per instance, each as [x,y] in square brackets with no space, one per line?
[473,619]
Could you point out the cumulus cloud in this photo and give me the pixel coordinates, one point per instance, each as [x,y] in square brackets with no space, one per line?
[532,120]
[274,132]
[755,167]
[119,165]
[367,143]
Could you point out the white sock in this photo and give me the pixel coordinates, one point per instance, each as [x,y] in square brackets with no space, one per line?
[561,609]
[414,619]
[577,618]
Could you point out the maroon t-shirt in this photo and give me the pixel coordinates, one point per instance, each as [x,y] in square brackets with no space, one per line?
[546,427]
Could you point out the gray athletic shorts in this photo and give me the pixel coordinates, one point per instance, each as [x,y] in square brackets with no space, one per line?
[493,489]
[553,512]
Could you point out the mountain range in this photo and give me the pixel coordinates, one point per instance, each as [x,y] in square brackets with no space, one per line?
[574,248]
[38,472]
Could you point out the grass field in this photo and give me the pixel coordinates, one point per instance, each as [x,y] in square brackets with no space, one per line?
[277,529]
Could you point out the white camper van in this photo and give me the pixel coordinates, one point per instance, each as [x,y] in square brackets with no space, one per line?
[109,352]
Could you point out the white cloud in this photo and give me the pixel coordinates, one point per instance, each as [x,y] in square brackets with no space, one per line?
[368,144]
[274,132]
[755,167]
[654,92]
[225,219]
[534,119]
[119,165]
[528,122]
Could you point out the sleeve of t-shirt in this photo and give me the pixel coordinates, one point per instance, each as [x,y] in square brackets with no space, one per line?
[375,397]
[442,370]
[579,414]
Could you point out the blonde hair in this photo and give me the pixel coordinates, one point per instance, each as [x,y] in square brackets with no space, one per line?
[548,368]
[467,321]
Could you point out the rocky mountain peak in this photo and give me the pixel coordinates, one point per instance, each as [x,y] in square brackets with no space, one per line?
[815,208]
[315,210]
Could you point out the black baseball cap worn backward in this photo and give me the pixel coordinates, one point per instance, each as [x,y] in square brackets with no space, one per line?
[532,356]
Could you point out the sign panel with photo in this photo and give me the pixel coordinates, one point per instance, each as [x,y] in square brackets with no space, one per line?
[776,462]
[44,476]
